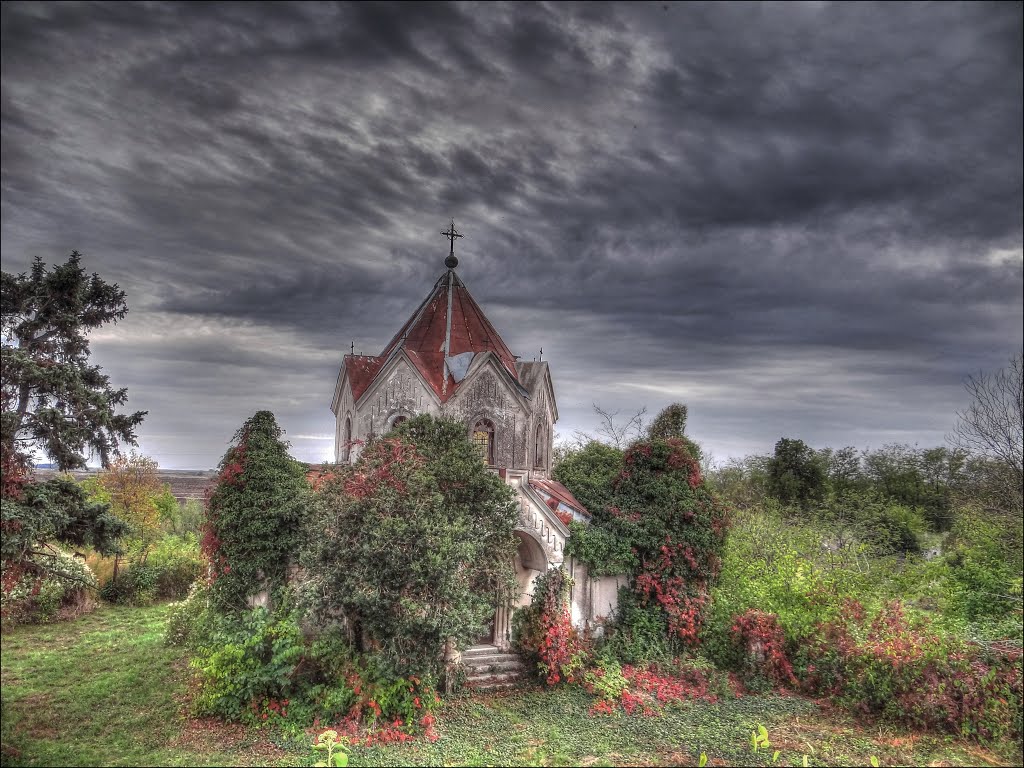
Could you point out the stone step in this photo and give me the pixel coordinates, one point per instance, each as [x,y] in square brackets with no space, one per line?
[495,664]
[492,669]
[490,681]
[490,658]
[482,650]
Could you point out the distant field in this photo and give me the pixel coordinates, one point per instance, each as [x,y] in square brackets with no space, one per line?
[185,483]
[104,690]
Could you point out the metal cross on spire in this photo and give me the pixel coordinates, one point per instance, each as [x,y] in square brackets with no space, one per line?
[451,262]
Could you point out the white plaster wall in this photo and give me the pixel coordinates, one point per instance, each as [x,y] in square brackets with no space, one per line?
[604,595]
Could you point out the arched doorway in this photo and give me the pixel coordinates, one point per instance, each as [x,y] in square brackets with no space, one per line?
[529,562]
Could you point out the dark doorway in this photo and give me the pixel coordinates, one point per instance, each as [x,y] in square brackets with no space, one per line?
[487,637]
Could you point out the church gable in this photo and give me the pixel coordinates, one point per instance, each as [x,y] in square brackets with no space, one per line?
[536,378]
[356,374]
[488,397]
[445,334]
[398,390]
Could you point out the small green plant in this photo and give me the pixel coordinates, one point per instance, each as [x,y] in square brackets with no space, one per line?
[703,760]
[336,749]
[759,740]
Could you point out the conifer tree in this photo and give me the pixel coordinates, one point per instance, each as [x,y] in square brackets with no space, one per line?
[51,397]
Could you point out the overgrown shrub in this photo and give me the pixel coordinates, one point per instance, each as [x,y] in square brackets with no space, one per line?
[178,563]
[412,546]
[984,579]
[902,670]
[769,566]
[761,646]
[65,587]
[257,667]
[246,658]
[639,633]
[784,599]
[135,585]
[543,631]
[167,572]
[590,474]
[252,531]
[189,620]
[648,689]
[605,679]
[664,529]
[867,517]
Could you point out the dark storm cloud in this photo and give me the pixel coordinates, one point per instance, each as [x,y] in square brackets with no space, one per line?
[802,219]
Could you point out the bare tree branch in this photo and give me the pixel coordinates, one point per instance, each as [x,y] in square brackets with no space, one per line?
[618,432]
[992,428]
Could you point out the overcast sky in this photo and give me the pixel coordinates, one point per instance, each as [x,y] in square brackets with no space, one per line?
[802,220]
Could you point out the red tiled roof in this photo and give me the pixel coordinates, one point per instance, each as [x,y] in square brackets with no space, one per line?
[423,339]
[362,370]
[557,490]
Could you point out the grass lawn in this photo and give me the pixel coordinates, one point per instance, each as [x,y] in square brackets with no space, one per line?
[103,690]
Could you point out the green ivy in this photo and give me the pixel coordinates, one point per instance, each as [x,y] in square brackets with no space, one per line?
[253,513]
[662,527]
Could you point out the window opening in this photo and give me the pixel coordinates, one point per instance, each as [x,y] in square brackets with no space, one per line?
[483,439]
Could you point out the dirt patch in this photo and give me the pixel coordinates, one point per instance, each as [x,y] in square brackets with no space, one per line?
[204,735]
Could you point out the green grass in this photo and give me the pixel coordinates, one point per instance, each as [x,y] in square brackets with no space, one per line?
[103,690]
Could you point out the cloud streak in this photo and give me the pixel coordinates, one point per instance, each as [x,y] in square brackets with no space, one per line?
[802,220]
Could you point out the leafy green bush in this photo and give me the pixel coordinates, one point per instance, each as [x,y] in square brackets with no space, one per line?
[590,473]
[38,596]
[178,563]
[639,633]
[412,545]
[885,526]
[257,667]
[168,571]
[768,565]
[984,581]
[189,620]
[135,585]
[246,658]
[605,679]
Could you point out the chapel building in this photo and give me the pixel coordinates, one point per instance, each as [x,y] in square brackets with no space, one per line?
[448,359]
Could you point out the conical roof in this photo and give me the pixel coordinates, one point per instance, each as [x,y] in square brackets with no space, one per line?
[440,338]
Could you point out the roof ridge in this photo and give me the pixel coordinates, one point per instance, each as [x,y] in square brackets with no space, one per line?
[464,328]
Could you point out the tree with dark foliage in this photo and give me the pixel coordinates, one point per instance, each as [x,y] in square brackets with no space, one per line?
[795,474]
[51,396]
[52,399]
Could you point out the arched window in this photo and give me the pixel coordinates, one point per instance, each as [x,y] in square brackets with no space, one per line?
[398,420]
[346,445]
[483,439]
[538,448]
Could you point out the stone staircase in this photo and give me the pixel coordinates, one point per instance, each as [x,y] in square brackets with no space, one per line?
[491,669]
